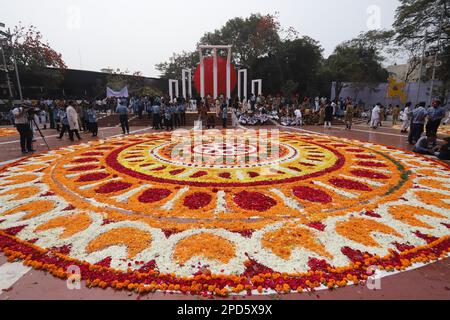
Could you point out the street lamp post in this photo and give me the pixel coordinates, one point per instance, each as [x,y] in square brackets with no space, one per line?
[9,37]
[15,67]
[435,58]
[6,70]
[421,66]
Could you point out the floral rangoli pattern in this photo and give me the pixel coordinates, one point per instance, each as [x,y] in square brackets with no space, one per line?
[310,211]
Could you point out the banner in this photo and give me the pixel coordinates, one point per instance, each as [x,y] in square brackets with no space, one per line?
[110,93]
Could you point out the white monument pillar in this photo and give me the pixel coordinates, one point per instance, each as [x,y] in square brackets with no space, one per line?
[171,83]
[215,74]
[229,74]
[259,82]
[215,70]
[202,74]
[183,85]
[240,95]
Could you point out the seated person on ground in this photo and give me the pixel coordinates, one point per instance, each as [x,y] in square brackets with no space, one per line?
[443,152]
[422,146]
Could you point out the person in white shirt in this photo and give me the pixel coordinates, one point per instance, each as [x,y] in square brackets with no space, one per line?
[406,118]
[72,117]
[334,105]
[298,117]
[376,117]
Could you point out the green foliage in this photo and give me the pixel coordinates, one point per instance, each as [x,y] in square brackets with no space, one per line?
[252,38]
[35,56]
[298,61]
[413,19]
[355,61]
[172,69]
[289,88]
[291,64]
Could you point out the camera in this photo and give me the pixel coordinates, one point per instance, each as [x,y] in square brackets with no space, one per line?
[30,110]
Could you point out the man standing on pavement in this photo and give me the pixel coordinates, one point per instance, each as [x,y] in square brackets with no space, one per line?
[417,123]
[435,115]
[72,117]
[23,126]
[156,109]
[122,111]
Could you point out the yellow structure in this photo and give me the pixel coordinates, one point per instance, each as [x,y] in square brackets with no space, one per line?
[396,89]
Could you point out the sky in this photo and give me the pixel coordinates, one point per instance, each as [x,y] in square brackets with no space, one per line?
[135,35]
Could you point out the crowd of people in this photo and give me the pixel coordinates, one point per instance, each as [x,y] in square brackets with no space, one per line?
[72,117]
[66,117]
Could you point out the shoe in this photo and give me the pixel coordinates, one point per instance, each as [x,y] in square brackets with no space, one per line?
[31,151]
[24,152]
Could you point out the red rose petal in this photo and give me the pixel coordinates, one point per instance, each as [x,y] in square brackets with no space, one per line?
[93,177]
[197,200]
[113,187]
[254,201]
[368,174]
[312,195]
[154,195]
[349,184]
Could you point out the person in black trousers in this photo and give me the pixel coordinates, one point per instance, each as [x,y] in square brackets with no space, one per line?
[23,126]
[122,111]
[183,113]
[224,114]
[168,117]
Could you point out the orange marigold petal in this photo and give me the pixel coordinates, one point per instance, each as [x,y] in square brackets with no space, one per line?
[136,240]
[21,193]
[407,214]
[205,245]
[34,209]
[72,224]
[284,240]
[359,230]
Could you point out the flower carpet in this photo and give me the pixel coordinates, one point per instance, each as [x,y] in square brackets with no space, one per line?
[444,130]
[157,212]
[7,132]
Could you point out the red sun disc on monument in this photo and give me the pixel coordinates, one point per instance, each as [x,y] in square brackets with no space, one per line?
[221,76]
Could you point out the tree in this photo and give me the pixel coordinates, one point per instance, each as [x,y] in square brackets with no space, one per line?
[34,55]
[172,69]
[32,52]
[289,88]
[355,61]
[296,60]
[414,19]
[252,38]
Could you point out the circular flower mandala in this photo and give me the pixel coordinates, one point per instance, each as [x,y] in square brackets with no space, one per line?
[224,213]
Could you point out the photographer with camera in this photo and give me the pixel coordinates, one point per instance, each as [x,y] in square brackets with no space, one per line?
[22,121]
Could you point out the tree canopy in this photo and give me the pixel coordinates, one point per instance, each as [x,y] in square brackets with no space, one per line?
[358,60]
[34,55]
[287,63]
